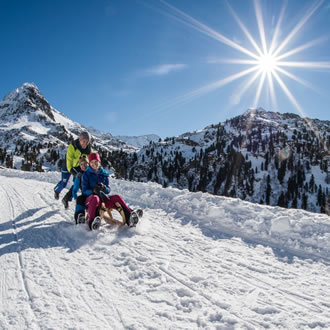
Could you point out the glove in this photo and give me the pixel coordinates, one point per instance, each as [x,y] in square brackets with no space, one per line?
[99,187]
[75,172]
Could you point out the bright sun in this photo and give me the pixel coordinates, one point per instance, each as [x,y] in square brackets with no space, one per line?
[267,63]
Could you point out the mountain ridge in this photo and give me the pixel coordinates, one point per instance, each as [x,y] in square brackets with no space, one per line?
[259,156]
[264,157]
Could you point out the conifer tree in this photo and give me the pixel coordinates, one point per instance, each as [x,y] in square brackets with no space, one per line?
[268,190]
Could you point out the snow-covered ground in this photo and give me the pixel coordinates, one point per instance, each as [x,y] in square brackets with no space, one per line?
[194,261]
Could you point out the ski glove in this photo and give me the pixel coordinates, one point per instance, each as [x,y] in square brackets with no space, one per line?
[99,188]
[75,172]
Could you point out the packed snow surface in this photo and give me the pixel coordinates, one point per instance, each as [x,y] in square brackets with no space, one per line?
[194,261]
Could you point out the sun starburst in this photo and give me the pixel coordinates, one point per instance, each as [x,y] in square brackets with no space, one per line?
[267,63]
[267,60]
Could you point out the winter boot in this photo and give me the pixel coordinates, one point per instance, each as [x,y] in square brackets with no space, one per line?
[139,212]
[95,223]
[133,219]
[80,218]
[67,198]
[65,203]
[56,195]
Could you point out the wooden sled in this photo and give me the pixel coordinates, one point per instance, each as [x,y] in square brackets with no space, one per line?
[106,214]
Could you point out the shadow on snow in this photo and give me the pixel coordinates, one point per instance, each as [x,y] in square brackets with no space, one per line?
[41,232]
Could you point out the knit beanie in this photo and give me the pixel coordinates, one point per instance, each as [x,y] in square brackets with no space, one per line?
[83,158]
[85,135]
[93,156]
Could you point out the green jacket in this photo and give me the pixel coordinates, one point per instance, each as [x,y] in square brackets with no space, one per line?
[74,152]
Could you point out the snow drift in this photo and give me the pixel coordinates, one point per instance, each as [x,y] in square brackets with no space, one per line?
[195,261]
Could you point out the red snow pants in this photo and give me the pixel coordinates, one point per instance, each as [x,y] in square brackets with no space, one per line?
[93,202]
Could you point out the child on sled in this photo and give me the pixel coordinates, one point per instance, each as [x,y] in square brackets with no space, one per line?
[79,214]
[95,186]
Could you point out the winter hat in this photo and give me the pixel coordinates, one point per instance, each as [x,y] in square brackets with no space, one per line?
[93,156]
[85,135]
[83,158]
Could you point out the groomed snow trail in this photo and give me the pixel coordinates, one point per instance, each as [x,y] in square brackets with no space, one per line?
[164,274]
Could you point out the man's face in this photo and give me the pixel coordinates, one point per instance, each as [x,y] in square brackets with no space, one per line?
[83,142]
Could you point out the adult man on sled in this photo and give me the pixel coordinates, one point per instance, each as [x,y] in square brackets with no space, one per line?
[78,148]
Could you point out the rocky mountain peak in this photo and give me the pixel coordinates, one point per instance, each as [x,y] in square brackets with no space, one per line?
[25,100]
[254,111]
[23,91]
[34,135]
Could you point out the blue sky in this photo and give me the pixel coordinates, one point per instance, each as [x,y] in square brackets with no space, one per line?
[134,67]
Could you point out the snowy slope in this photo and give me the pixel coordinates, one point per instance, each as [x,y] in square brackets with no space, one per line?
[134,141]
[195,261]
[139,141]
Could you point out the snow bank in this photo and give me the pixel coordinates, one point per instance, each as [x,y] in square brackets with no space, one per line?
[295,231]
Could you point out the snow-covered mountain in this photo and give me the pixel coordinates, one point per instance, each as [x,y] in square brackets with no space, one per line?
[35,135]
[263,157]
[26,114]
[139,141]
[195,261]
[135,141]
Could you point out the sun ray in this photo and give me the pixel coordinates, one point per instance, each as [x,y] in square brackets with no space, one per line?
[293,77]
[245,30]
[258,93]
[306,64]
[301,48]
[235,61]
[277,28]
[297,28]
[247,85]
[195,24]
[272,90]
[183,99]
[289,95]
[260,22]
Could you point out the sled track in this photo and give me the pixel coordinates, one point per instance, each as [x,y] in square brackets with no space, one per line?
[297,299]
[86,277]
[77,283]
[20,258]
[42,263]
[45,261]
[209,300]
[106,301]
[304,300]
[290,296]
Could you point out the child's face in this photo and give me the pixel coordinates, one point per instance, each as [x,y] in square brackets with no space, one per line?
[83,165]
[95,164]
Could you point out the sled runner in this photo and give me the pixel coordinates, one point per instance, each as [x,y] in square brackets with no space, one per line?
[110,217]
[106,214]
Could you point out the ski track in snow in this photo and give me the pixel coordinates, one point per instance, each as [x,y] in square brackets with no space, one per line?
[167,273]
